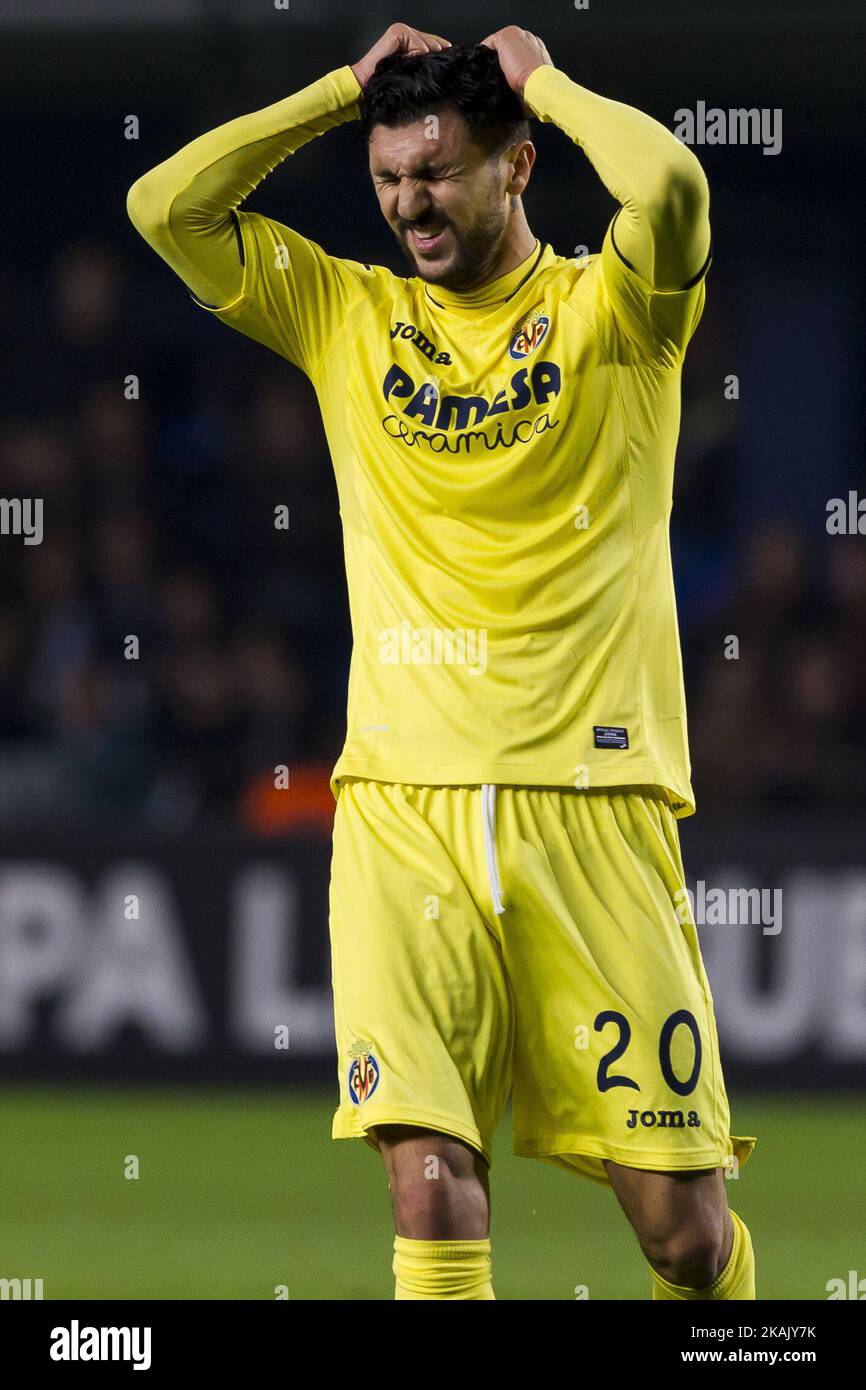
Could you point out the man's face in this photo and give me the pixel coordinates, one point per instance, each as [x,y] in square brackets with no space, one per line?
[443,197]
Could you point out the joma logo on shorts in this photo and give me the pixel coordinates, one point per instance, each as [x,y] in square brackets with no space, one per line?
[663,1119]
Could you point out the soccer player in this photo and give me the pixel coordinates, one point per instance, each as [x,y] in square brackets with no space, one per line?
[508,911]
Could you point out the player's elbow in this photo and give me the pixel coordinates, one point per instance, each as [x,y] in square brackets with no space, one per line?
[145,206]
[681,197]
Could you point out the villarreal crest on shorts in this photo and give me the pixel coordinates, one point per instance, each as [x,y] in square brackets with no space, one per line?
[494,940]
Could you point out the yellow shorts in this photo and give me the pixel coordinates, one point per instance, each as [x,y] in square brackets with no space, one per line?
[495,939]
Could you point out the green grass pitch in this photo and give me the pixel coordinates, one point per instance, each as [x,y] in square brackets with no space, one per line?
[242,1191]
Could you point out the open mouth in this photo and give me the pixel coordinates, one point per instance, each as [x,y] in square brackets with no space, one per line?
[427,242]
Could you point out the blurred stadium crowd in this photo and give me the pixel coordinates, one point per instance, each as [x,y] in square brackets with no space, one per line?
[159,523]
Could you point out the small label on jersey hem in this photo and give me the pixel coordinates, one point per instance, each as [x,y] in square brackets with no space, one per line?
[610,736]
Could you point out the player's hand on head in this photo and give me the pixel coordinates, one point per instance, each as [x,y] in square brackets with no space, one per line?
[520,53]
[400,38]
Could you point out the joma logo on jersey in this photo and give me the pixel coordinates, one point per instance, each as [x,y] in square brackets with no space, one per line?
[539,385]
[664,1119]
[529,335]
[421,342]
[363,1077]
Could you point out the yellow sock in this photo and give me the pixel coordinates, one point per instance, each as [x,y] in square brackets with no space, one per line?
[736,1281]
[426,1269]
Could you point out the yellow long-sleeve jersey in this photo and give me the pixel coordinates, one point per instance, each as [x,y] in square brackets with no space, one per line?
[504,457]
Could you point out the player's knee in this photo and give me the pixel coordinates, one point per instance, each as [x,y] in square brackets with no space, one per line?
[691,1255]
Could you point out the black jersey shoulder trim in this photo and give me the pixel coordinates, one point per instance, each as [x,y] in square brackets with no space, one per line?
[241,252]
[689,283]
[615,247]
[703,270]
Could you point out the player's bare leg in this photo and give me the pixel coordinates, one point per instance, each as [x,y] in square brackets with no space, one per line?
[441,1199]
[681,1220]
[439,1185]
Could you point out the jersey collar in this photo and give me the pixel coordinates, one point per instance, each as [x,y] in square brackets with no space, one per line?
[499,291]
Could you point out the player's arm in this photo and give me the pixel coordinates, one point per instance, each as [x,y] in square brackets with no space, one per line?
[663,227]
[184,207]
[658,246]
[286,289]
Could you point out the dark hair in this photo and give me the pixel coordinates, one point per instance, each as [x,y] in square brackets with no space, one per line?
[469,79]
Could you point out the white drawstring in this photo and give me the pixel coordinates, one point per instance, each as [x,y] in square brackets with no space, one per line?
[488,817]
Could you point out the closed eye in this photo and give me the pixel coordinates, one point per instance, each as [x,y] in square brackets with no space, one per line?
[423,176]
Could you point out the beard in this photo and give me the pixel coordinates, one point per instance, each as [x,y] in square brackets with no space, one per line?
[475,253]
